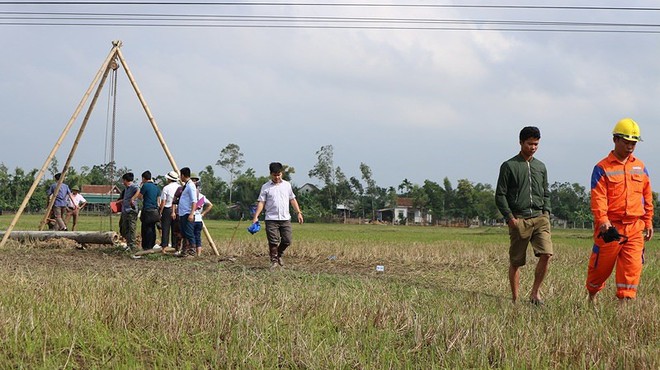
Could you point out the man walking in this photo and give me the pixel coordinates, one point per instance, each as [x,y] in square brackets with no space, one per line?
[274,197]
[523,198]
[622,206]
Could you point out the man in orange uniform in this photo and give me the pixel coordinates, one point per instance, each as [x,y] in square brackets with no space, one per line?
[621,198]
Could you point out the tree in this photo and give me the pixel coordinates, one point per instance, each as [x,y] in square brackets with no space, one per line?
[570,202]
[345,195]
[484,198]
[405,187]
[247,190]
[358,190]
[53,167]
[449,198]
[436,195]
[465,203]
[372,189]
[214,189]
[324,170]
[420,200]
[231,159]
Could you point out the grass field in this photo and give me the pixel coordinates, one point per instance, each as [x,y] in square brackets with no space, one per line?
[443,301]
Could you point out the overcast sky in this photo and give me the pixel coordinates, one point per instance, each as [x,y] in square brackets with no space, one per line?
[410,103]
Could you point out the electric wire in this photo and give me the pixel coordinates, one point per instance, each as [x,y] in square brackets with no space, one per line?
[334,5]
[187,20]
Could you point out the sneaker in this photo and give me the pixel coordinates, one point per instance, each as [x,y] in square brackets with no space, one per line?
[280,261]
[157,247]
[273,265]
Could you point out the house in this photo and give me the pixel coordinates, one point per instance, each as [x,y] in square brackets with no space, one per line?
[403,212]
[307,188]
[98,197]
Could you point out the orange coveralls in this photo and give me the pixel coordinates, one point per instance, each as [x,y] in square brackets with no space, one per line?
[620,193]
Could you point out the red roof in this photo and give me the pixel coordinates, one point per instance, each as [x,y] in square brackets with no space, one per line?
[99,189]
[404,202]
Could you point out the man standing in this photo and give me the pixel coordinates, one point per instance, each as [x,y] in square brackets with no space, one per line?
[77,203]
[275,196]
[523,198]
[203,207]
[61,201]
[186,211]
[128,218]
[622,206]
[167,212]
[150,195]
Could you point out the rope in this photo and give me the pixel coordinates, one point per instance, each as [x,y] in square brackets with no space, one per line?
[113,92]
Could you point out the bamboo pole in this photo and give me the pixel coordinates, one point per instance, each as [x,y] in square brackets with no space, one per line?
[152,120]
[41,172]
[65,169]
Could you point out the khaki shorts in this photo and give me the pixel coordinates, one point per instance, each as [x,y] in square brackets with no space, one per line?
[535,230]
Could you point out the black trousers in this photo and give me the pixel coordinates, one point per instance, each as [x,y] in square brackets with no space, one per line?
[148,229]
[167,231]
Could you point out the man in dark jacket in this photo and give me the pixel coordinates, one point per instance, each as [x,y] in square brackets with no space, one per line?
[523,198]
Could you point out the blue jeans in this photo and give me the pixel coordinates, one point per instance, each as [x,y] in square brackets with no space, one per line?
[187,230]
[197,231]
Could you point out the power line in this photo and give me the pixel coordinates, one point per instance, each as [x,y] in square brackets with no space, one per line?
[280,18]
[569,30]
[145,19]
[295,4]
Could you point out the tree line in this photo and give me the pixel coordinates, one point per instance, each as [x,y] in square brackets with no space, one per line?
[337,195]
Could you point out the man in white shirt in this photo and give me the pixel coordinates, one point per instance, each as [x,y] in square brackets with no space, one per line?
[167,211]
[275,197]
[74,205]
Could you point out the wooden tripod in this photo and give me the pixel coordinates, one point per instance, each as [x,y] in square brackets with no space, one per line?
[108,64]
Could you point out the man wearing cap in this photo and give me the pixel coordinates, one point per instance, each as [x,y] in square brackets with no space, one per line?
[167,211]
[622,206]
[74,205]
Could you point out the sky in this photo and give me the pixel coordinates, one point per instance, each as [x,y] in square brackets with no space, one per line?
[416,104]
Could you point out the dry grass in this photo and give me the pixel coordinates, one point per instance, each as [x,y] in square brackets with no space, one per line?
[442,302]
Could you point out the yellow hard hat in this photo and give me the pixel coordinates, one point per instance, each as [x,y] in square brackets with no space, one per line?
[627,129]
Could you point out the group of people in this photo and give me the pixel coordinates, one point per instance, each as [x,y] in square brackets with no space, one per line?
[621,203]
[178,208]
[67,205]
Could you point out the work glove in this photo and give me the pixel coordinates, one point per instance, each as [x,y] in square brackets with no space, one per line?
[611,235]
[254,228]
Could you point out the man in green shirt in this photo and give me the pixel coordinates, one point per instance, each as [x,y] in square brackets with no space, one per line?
[523,198]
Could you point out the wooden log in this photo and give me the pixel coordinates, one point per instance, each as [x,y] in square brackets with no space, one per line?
[82,237]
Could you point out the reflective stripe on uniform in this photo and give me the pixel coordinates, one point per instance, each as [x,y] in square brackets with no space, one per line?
[626,286]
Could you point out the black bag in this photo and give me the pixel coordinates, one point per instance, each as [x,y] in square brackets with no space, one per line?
[150,216]
[612,234]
